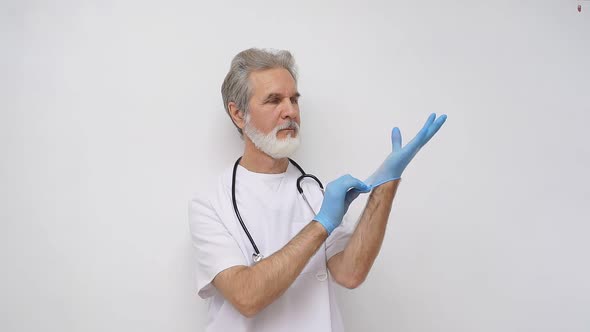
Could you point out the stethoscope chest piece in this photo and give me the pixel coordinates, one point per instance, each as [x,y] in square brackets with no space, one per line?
[257,257]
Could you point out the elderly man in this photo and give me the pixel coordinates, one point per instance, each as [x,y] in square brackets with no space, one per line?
[265,259]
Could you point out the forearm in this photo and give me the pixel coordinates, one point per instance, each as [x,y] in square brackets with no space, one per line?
[365,242]
[268,279]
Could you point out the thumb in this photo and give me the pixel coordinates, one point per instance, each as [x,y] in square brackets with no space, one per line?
[351,195]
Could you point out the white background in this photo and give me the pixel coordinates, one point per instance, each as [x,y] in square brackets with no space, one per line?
[111,117]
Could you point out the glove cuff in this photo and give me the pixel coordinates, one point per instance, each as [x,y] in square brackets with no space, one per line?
[380,182]
[325,222]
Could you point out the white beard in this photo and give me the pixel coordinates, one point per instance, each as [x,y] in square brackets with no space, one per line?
[269,143]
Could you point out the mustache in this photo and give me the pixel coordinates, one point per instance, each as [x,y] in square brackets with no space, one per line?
[288,125]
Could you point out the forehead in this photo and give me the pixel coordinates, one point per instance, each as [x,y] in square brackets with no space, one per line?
[274,80]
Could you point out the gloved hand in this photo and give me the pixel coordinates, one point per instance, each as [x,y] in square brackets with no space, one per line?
[394,165]
[337,198]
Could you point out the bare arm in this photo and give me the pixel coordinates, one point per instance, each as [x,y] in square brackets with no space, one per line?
[251,289]
[351,266]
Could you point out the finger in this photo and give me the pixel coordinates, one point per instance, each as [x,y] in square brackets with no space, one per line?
[396,139]
[347,182]
[418,140]
[435,127]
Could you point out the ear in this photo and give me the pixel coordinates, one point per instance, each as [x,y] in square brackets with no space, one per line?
[236,115]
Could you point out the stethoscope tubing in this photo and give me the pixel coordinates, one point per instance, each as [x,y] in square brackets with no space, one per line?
[257,256]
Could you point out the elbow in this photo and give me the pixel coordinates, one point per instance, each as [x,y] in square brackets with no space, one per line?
[248,312]
[352,282]
[246,307]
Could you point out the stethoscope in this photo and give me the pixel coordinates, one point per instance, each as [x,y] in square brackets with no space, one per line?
[257,256]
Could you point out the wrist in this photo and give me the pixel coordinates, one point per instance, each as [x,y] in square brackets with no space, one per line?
[319,227]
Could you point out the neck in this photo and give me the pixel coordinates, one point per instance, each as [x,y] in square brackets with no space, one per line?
[257,161]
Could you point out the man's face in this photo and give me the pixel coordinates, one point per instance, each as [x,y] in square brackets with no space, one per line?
[274,102]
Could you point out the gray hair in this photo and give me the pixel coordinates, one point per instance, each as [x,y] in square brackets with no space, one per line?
[236,85]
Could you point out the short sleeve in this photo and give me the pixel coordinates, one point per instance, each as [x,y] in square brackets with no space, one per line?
[339,238]
[216,249]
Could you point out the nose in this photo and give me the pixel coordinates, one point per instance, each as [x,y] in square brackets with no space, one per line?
[290,109]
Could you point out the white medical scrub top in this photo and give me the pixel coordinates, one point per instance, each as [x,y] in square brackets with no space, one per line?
[274,212]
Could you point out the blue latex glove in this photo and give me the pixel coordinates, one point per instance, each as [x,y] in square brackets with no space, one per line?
[394,165]
[337,198]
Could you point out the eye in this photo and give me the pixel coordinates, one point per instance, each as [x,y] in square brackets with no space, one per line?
[295,100]
[273,101]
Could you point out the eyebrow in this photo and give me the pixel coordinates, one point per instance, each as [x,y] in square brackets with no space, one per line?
[278,95]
